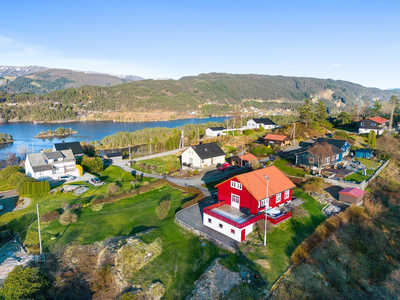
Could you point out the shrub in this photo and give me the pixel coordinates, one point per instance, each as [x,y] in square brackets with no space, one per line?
[92,164]
[80,169]
[68,217]
[196,172]
[113,188]
[50,216]
[163,208]
[248,131]
[25,283]
[127,176]
[254,164]
[97,207]
[8,172]
[342,134]
[261,129]
[262,150]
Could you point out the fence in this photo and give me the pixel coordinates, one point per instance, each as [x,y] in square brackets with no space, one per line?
[362,185]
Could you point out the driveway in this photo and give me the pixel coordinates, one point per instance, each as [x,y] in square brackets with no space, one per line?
[8,200]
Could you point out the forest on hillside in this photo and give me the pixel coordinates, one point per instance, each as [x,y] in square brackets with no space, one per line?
[221,91]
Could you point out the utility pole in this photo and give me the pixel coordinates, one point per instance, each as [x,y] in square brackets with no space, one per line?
[150,146]
[40,236]
[198,133]
[266,216]
[129,152]
[181,141]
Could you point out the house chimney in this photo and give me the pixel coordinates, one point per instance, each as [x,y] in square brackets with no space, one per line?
[200,142]
[63,142]
[41,150]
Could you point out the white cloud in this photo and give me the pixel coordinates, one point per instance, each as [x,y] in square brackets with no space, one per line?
[336,65]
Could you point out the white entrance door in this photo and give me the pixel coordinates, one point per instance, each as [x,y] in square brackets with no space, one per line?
[235,201]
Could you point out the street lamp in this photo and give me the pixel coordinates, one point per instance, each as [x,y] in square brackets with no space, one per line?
[266,216]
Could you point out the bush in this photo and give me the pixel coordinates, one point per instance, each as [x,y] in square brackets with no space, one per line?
[196,172]
[248,131]
[113,188]
[80,169]
[261,129]
[127,176]
[262,150]
[314,186]
[163,208]
[8,172]
[68,217]
[50,216]
[25,283]
[97,207]
[342,134]
[92,164]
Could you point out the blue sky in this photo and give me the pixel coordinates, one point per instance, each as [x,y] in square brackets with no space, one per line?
[358,41]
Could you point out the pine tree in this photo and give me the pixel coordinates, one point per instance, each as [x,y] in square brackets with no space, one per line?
[306,111]
[321,112]
[373,139]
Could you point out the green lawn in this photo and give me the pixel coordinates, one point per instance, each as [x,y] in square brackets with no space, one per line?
[4,186]
[160,162]
[284,238]
[358,177]
[369,163]
[280,164]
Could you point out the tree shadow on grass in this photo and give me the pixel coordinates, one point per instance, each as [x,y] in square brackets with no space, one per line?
[18,225]
[140,228]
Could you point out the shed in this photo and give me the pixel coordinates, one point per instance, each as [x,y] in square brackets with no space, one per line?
[351,195]
[276,139]
[364,153]
[246,158]
[114,157]
[215,131]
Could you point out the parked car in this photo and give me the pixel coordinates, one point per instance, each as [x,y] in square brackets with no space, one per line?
[224,166]
[95,180]
[1,208]
[66,178]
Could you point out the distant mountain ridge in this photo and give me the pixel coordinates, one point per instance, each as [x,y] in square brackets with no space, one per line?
[40,80]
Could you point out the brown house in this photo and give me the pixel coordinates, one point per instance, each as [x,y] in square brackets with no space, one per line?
[242,160]
[276,139]
[351,195]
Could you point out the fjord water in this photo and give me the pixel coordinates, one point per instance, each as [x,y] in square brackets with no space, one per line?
[23,133]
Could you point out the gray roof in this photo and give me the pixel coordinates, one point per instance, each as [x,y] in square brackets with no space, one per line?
[216,128]
[265,121]
[68,154]
[53,155]
[38,162]
[114,154]
[74,146]
[335,142]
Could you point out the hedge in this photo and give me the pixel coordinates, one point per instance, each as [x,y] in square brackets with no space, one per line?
[8,172]
[248,131]
[37,188]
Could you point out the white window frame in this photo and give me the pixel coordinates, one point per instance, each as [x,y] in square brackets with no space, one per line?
[221,226]
[278,199]
[326,160]
[362,124]
[236,185]
[235,198]
[311,160]
[337,156]
[333,158]
[287,194]
[209,220]
[373,124]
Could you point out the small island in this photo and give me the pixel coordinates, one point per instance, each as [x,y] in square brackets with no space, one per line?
[61,131]
[6,138]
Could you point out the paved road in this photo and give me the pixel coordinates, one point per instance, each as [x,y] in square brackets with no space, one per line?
[159,154]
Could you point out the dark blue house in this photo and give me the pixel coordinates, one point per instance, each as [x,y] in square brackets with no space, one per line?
[341,144]
[364,153]
[311,158]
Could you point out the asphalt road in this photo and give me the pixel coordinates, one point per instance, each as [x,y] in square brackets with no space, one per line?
[7,200]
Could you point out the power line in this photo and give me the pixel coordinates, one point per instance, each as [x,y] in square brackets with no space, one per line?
[19,234]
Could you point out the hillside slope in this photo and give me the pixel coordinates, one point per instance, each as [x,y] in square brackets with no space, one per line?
[41,80]
[206,93]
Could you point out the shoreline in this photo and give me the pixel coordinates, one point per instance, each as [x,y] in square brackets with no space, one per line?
[114,121]
[9,142]
[54,135]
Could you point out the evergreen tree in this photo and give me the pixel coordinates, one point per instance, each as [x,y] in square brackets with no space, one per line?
[373,139]
[306,111]
[321,112]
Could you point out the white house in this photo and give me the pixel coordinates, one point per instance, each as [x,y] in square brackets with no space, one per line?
[50,165]
[375,123]
[215,131]
[266,123]
[203,155]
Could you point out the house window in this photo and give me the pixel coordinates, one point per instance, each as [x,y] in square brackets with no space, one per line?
[232,231]
[327,160]
[337,156]
[286,194]
[373,124]
[361,124]
[209,220]
[220,225]
[235,198]
[236,185]
[311,160]
[333,157]
[278,198]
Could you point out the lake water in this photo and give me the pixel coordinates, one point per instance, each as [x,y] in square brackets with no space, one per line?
[23,133]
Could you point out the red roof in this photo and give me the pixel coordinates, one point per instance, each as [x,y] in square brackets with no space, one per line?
[247,157]
[354,192]
[275,137]
[256,184]
[379,120]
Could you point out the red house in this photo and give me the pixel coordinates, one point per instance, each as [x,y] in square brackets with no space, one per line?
[243,200]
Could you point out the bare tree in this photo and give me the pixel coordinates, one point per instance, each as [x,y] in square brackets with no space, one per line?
[322,153]
[11,159]
[22,151]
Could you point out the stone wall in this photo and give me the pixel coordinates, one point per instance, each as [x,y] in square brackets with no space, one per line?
[204,235]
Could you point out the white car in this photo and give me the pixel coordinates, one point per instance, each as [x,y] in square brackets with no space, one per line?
[66,177]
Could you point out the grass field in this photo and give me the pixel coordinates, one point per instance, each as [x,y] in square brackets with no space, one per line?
[284,238]
[369,163]
[4,186]
[280,164]
[160,162]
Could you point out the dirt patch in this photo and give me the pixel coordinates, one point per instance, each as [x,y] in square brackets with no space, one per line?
[214,283]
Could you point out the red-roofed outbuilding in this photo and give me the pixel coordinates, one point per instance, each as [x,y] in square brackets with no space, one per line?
[351,195]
